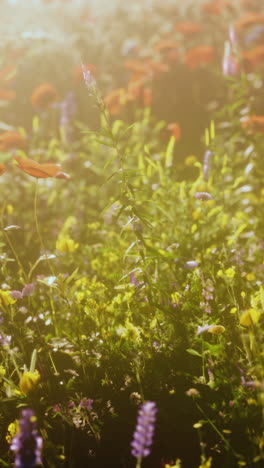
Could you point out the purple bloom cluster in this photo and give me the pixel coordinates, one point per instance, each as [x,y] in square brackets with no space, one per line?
[144,432]
[27,444]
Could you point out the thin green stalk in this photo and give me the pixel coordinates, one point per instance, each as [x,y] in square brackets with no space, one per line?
[44,250]
[12,247]
[139,461]
[16,256]
[217,431]
[38,229]
[36,217]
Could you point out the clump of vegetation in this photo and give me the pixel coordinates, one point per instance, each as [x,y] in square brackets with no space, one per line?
[132,275]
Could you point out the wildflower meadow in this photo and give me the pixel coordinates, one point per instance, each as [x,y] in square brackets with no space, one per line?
[131,234]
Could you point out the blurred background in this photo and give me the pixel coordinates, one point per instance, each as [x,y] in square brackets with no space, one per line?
[172,49]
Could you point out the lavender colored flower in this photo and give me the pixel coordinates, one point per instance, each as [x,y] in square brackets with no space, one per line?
[191,265]
[143,435]
[5,340]
[15,294]
[68,109]
[204,196]
[28,289]
[232,36]
[89,80]
[86,403]
[229,63]
[230,66]
[27,444]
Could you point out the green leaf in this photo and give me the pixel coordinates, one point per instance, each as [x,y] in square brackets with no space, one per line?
[169,152]
[33,361]
[105,143]
[193,352]
[72,276]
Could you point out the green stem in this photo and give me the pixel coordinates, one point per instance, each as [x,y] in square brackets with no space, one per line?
[16,256]
[217,431]
[44,250]
[36,217]
[139,461]
[38,229]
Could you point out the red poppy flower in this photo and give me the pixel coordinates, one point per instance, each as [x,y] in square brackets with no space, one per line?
[12,140]
[44,95]
[199,55]
[137,66]
[165,45]
[7,73]
[188,28]
[249,19]
[175,130]
[213,8]
[254,123]
[253,57]
[147,97]
[41,171]
[7,94]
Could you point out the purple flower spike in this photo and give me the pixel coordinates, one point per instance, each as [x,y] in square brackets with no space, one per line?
[27,444]
[144,432]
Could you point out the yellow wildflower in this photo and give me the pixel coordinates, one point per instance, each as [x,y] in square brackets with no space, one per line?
[5,298]
[197,214]
[230,272]
[206,463]
[249,317]
[216,329]
[177,464]
[250,277]
[190,160]
[66,245]
[251,401]
[12,431]
[9,209]
[29,381]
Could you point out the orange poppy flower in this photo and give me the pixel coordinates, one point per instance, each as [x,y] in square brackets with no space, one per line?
[135,86]
[249,19]
[175,130]
[77,72]
[188,28]
[157,67]
[43,96]
[199,55]
[7,73]
[213,8]
[172,56]
[113,100]
[254,123]
[147,97]
[7,94]
[41,171]
[165,45]
[136,66]
[12,140]
[248,3]
[253,57]
[3,169]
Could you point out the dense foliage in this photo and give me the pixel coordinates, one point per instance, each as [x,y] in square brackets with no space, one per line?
[132,236]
